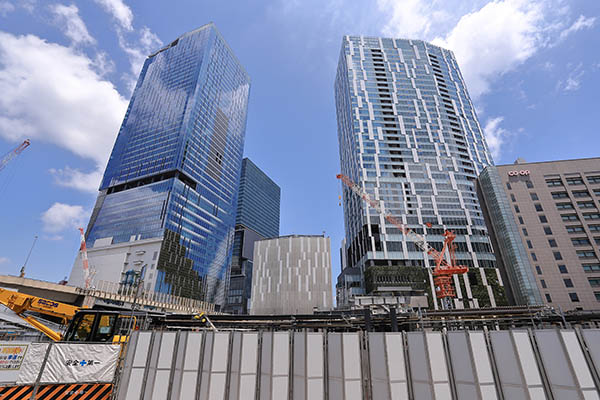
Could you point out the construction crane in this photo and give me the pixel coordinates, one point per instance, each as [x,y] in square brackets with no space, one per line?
[13,153]
[444,267]
[20,303]
[86,267]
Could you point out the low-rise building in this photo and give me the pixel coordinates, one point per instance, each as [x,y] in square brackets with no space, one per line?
[292,275]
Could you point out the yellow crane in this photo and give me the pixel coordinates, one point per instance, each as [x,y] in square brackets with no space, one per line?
[84,325]
[19,303]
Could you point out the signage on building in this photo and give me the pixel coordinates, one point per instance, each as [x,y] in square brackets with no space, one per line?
[523,172]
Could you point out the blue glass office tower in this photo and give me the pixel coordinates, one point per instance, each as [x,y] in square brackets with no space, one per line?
[257,218]
[408,134]
[175,166]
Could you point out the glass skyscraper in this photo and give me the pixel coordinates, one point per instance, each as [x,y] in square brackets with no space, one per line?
[408,134]
[175,166]
[257,218]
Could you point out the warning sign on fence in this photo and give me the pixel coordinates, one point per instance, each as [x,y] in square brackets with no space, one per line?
[11,356]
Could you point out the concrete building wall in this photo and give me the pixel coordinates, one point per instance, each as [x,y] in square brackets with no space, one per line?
[110,260]
[292,275]
[556,208]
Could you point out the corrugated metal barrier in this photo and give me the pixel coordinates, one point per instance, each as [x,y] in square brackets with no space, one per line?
[495,365]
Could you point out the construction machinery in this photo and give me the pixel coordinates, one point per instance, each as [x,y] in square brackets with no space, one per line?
[444,268]
[83,325]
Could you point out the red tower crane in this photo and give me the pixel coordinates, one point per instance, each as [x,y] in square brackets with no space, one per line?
[444,267]
[13,153]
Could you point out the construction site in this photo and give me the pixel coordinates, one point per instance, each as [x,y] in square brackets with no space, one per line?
[117,342]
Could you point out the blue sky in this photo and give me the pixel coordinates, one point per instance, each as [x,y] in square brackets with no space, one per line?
[67,69]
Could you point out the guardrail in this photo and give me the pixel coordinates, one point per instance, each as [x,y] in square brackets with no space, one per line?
[117,293]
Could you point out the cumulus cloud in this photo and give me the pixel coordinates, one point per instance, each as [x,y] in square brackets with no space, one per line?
[60,217]
[4,260]
[76,179]
[52,94]
[489,38]
[495,40]
[495,135]
[120,12]
[67,17]
[581,23]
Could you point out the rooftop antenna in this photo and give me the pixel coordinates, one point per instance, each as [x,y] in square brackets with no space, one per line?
[22,273]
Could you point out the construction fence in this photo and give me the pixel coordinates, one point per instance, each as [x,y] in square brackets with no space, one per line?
[495,365]
[57,370]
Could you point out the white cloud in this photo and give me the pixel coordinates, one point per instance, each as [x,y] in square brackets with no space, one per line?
[581,23]
[76,179]
[137,53]
[67,17]
[119,11]
[60,217]
[573,81]
[137,50]
[4,260]
[489,38]
[495,135]
[51,93]
[495,40]
[6,7]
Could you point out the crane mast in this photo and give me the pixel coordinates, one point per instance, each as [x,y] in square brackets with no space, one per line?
[13,153]
[86,267]
[444,268]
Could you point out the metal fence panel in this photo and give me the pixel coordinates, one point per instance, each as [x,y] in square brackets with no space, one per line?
[248,368]
[299,365]
[334,366]
[255,365]
[508,366]
[419,366]
[352,366]
[396,366]
[314,366]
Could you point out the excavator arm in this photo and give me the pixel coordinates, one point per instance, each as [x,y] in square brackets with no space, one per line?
[19,303]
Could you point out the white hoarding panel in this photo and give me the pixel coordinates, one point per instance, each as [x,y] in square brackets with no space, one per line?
[77,363]
[12,357]
[32,363]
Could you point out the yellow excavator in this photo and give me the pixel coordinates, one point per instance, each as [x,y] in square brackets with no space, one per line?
[84,325]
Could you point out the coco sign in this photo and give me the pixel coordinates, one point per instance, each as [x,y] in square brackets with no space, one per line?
[523,172]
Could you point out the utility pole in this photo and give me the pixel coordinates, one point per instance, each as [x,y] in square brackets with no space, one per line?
[22,273]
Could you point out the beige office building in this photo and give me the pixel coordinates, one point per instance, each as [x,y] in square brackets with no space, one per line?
[291,275]
[555,206]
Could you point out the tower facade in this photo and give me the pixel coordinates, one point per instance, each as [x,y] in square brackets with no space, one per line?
[257,218]
[174,170]
[408,134]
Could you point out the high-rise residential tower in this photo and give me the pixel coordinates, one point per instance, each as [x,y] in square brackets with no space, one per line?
[171,183]
[408,134]
[257,218]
